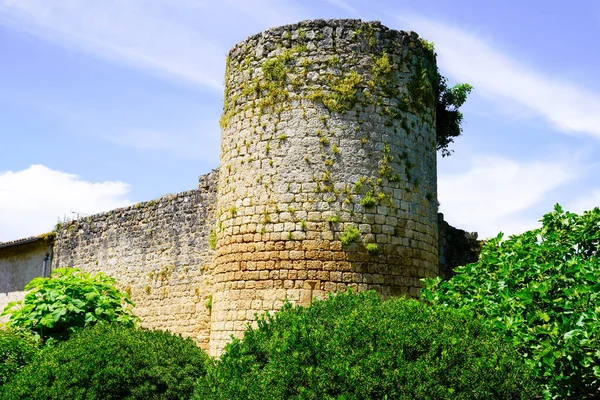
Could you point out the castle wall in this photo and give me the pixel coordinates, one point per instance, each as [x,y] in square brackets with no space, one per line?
[457,247]
[327,181]
[19,264]
[328,169]
[158,251]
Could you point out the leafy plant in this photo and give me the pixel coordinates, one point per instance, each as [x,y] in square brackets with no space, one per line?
[540,290]
[69,300]
[354,346]
[303,225]
[448,117]
[368,200]
[351,234]
[334,219]
[212,239]
[372,248]
[274,70]
[112,361]
[17,349]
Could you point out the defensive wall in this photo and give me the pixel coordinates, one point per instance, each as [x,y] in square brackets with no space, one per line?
[327,181]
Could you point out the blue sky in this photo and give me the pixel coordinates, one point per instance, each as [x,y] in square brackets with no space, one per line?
[108,103]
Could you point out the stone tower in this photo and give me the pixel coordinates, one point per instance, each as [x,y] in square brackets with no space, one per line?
[328,169]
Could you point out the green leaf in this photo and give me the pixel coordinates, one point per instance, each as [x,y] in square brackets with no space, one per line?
[61,303]
[541,291]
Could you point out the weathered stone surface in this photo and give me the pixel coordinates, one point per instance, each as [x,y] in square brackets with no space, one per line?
[158,251]
[457,247]
[320,137]
[327,182]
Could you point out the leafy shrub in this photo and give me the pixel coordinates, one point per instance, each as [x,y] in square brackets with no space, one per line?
[354,346]
[541,290]
[351,234]
[111,361]
[69,300]
[17,349]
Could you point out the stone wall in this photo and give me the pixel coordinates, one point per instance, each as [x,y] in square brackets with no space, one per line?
[328,134]
[327,181]
[457,247]
[20,262]
[158,251]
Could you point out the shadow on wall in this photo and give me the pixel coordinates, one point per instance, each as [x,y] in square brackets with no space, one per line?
[457,247]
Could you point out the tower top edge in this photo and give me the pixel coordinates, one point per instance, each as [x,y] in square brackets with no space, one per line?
[320,24]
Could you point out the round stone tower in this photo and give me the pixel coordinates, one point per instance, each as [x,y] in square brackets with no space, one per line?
[328,168]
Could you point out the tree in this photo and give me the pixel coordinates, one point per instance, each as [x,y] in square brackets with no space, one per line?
[448,117]
[541,291]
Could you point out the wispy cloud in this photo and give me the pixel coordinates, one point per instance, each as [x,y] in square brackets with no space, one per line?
[468,57]
[586,202]
[490,195]
[33,199]
[180,39]
[344,5]
[203,146]
[130,32]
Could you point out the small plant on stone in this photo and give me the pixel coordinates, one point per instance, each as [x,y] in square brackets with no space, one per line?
[350,235]
[368,200]
[212,239]
[303,225]
[372,248]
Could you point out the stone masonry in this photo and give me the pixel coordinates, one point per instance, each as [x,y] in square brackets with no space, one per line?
[159,253]
[328,134]
[327,181]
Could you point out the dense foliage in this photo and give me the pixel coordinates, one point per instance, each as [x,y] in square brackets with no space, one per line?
[448,117]
[354,346]
[69,300]
[540,290]
[17,349]
[112,361]
[448,101]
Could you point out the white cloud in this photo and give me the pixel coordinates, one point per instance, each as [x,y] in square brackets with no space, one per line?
[467,57]
[205,146]
[492,194]
[182,39]
[132,32]
[343,5]
[585,203]
[32,200]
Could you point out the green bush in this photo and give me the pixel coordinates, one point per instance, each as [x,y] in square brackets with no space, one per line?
[69,300]
[111,361]
[17,349]
[540,290]
[354,346]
